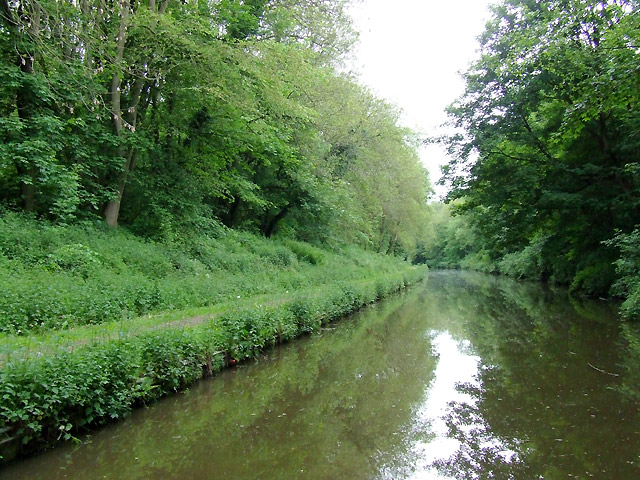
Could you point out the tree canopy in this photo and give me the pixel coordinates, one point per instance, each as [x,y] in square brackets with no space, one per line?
[163,115]
[546,161]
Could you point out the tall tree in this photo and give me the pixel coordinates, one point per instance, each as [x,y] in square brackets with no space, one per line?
[548,110]
[161,115]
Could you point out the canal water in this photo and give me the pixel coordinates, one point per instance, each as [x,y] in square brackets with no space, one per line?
[464,376]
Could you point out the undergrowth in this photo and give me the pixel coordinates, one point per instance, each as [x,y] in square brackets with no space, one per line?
[55,277]
[76,352]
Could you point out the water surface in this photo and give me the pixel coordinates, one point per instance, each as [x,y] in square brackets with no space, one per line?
[463,376]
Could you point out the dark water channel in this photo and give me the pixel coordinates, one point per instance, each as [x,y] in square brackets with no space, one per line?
[464,376]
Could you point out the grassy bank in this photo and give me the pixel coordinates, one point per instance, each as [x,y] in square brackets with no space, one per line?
[95,322]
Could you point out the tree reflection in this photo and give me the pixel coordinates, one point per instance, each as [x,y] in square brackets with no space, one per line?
[481,453]
[547,402]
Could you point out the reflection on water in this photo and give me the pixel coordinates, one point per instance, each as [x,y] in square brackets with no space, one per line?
[466,376]
[455,365]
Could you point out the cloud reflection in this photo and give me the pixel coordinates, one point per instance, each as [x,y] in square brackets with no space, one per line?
[455,366]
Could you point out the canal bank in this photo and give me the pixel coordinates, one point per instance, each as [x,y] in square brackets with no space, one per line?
[426,384]
[53,391]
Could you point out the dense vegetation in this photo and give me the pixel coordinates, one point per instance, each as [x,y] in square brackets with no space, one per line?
[166,116]
[57,277]
[545,164]
[256,192]
[258,186]
[95,321]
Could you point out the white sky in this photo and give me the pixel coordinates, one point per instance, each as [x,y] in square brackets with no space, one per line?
[410,53]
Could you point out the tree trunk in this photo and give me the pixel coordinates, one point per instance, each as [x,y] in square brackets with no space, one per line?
[269,227]
[27,187]
[392,244]
[382,235]
[112,208]
[232,214]
[120,121]
[24,105]
[25,102]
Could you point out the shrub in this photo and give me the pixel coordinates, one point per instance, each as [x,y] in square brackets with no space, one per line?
[594,280]
[628,269]
[307,313]
[76,258]
[525,263]
[306,252]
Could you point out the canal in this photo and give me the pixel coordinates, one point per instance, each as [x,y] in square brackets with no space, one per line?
[463,376]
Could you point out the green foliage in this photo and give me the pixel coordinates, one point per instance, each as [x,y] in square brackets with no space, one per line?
[594,280]
[167,115]
[50,399]
[53,276]
[305,252]
[75,257]
[546,159]
[628,269]
[526,263]
[58,387]
[451,241]
[220,135]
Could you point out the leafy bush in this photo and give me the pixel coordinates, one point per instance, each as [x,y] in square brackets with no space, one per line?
[75,258]
[631,306]
[305,252]
[306,310]
[594,280]
[628,269]
[525,263]
[42,300]
[61,276]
